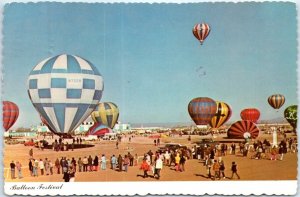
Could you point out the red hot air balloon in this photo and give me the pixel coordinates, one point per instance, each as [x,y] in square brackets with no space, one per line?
[250,114]
[10,114]
[202,110]
[276,100]
[243,130]
[201,31]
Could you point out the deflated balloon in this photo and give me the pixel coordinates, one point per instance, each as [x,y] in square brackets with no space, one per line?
[202,110]
[10,114]
[65,89]
[106,113]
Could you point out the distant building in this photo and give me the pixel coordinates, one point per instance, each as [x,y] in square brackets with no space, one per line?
[120,127]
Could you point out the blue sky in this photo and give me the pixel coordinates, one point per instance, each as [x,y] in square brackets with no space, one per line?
[150,61]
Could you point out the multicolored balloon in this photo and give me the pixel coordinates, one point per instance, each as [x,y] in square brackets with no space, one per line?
[250,114]
[243,130]
[10,114]
[222,115]
[202,110]
[99,129]
[65,89]
[276,100]
[107,113]
[290,114]
[201,31]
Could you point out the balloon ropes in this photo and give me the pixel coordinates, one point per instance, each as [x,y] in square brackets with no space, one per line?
[202,109]
[243,129]
[290,114]
[65,89]
[10,114]
[250,114]
[221,116]
[107,113]
[201,31]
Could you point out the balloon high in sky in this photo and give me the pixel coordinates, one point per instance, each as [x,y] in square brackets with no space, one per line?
[201,31]
[65,89]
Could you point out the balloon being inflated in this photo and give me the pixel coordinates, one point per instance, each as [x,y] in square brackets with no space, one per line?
[65,89]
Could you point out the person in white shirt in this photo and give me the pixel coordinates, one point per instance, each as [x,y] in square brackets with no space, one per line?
[158,167]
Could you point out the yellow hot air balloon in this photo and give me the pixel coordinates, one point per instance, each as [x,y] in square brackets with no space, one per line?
[106,113]
[222,115]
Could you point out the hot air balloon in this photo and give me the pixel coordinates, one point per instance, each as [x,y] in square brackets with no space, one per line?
[243,130]
[201,31]
[99,129]
[202,110]
[65,89]
[222,115]
[290,114]
[10,114]
[276,100]
[106,113]
[250,114]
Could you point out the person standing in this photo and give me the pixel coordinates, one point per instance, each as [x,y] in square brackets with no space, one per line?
[136,160]
[167,158]
[50,167]
[41,166]
[113,161]
[182,163]
[130,157]
[66,176]
[103,162]
[12,170]
[80,164]
[233,148]
[216,169]
[126,163]
[222,169]
[31,153]
[120,163]
[71,174]
[145,167]
[90,163]
[158,167]
[30,165]
[57,165]
[73,164]
[85,164]
[96,163]
[35,167]
[117,144]
[19,169]
[177,161]
[234,170]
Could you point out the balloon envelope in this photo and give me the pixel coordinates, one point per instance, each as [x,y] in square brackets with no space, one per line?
[201,31]
[222,115]
[99,129]
[202,110]
[250,114]
[243,130]
[290,114]
[10,114]
[65,89]
[276,100]
[106,113]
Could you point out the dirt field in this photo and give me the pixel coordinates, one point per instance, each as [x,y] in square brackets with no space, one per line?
[248,169]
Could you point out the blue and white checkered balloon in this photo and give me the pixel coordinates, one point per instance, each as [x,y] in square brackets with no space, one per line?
[65,89]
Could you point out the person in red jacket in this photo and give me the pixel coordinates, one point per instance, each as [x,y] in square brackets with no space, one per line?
[145,167]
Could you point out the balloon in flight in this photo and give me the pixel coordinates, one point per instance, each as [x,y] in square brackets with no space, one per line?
[201,31]
[65,89]
[276,100]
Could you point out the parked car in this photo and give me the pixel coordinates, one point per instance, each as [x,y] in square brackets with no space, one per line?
[171,146]
[29,143]
[207,142]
